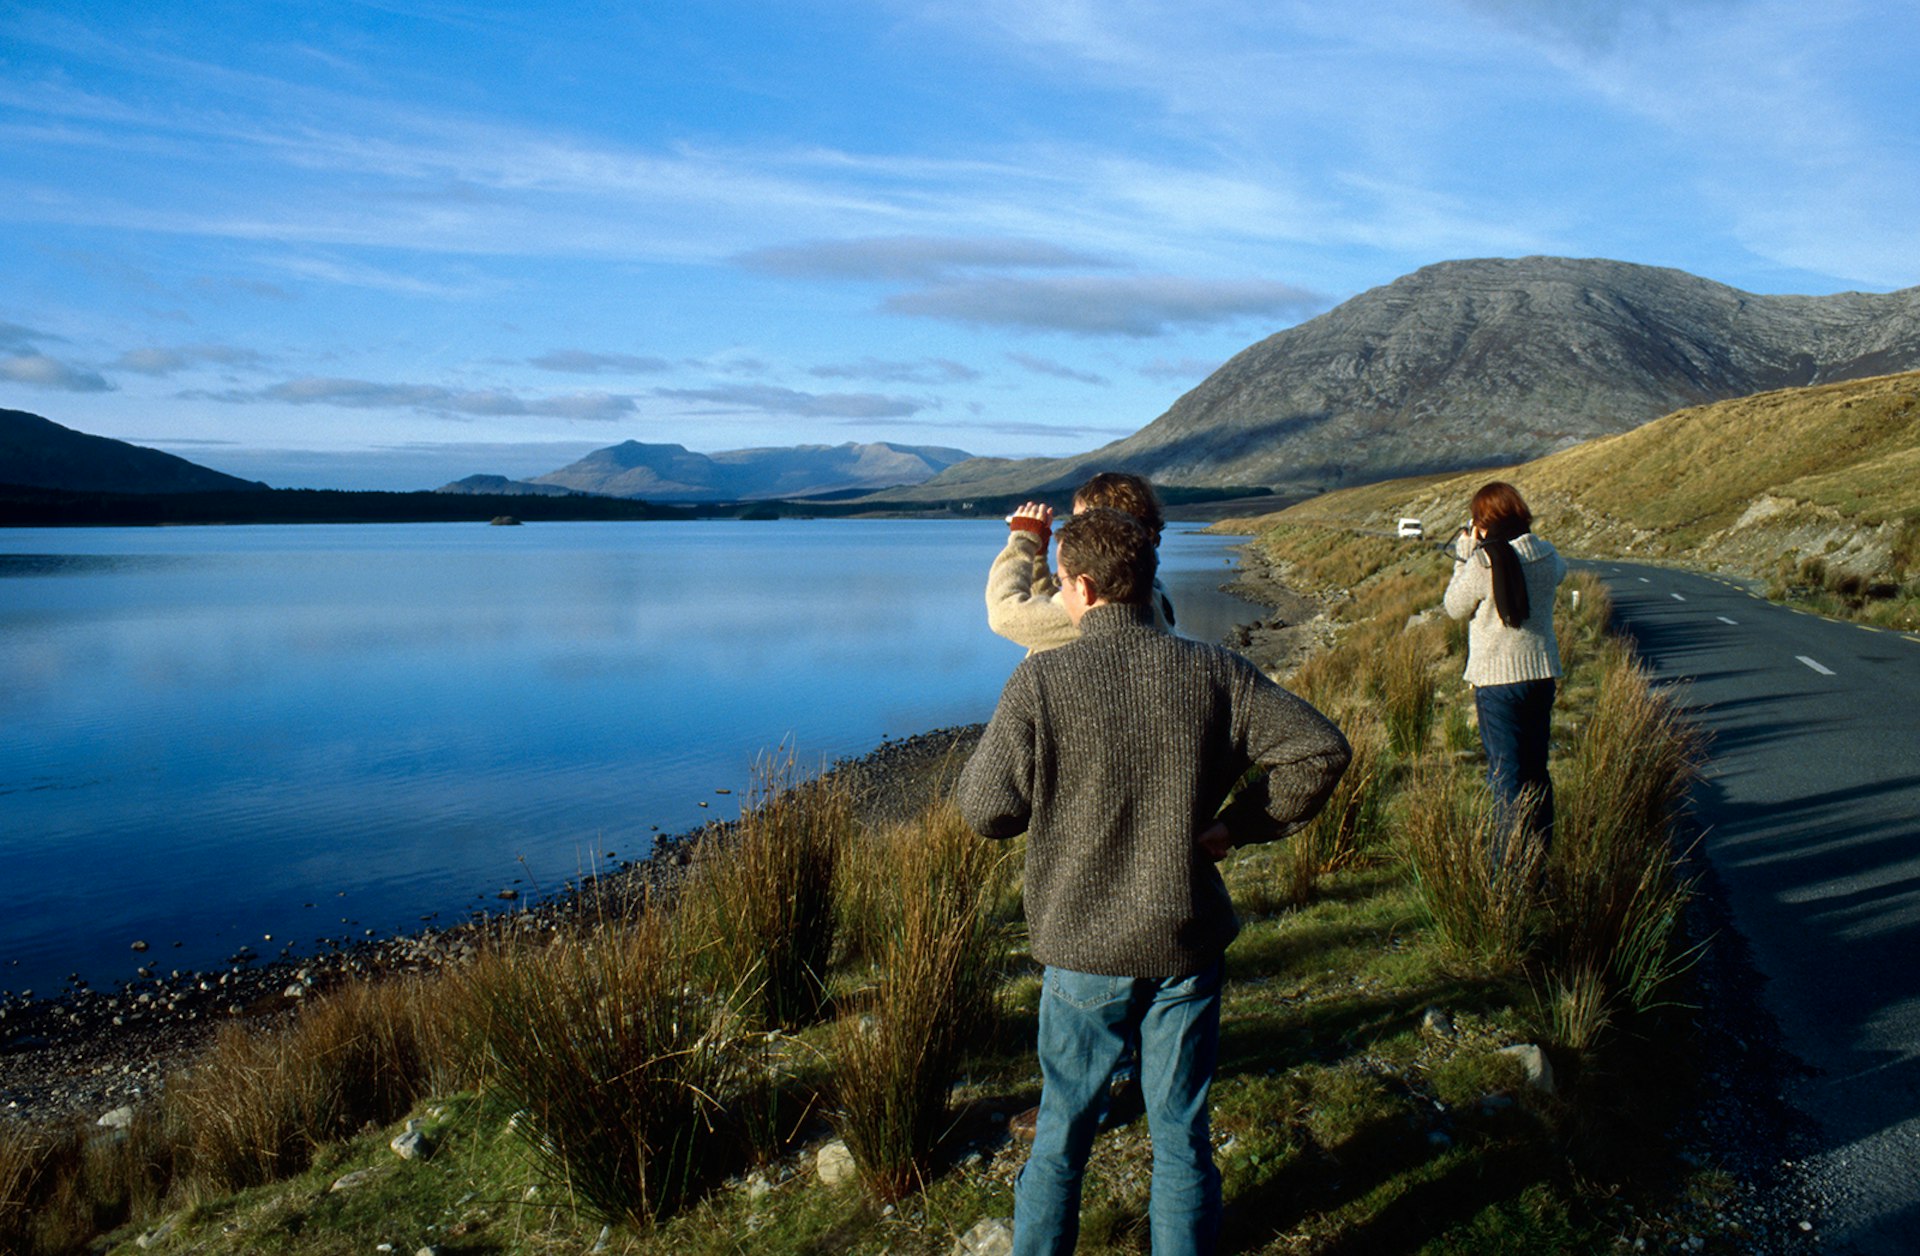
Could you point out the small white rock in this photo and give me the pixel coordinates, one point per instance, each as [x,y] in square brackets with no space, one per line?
[118,1119]
[991,1237]
[359,1177]
[835,1163]
[1534,1061]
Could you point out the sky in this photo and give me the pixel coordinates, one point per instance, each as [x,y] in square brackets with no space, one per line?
[391,244]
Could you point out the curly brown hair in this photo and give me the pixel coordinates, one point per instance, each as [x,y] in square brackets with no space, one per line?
[1114,549]
[1120,490]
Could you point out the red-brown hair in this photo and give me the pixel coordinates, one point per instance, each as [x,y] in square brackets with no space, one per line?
[1501,512]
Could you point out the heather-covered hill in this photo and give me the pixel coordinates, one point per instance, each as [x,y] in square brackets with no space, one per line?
[1830,472]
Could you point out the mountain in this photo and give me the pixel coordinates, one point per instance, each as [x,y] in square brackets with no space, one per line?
[1471,363]
[1831,471]
[39,453]
[501,486]
[673,473]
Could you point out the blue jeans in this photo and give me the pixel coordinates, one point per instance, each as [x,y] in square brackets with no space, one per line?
[1514,720]
[1086,1023]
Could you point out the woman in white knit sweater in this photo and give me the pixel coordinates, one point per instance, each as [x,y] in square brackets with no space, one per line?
[1504,586]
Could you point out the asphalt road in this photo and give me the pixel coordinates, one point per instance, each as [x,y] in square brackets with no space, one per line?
[1812,802]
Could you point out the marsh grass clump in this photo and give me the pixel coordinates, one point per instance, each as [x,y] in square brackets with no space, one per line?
[764,894]
[1407,687]
[898,1046]
[1351,824]
[258,1102]
[1617,893]
[1484,911]
[63,1185]
[620,1063]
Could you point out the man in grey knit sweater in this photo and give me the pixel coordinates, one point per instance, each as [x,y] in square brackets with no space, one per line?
[1114,754]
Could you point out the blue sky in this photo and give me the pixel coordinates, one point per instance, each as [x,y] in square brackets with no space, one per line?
[386,245]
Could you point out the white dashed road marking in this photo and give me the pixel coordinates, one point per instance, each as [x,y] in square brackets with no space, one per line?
[1824,671]
[1644,580]
[1678,598]
[1723,619]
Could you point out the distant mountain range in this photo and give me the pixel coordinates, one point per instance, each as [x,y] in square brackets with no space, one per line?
[1474,363]
[1458,365]
[674,473]
[39,453]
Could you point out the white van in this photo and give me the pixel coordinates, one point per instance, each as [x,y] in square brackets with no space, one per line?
[1411,528]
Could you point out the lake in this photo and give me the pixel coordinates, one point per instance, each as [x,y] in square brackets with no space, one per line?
[213,736]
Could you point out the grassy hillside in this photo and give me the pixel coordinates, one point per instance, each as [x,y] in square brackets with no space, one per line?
[1813,489]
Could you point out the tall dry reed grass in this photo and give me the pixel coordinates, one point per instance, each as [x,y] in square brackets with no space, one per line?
[1618,897]
[764,894]
[900,1042]
[1351,824]
[257,1103]
[1486,913]
[622,1066]
[1405,684]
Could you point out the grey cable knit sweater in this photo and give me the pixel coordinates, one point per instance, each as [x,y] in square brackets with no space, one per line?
[1112,754]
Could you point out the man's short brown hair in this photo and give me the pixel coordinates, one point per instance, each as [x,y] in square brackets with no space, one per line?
[1112,548]
[1124,491]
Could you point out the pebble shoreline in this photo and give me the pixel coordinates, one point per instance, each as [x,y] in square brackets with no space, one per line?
[87,1051]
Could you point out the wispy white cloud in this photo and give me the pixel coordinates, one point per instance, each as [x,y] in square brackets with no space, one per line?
[360,394]
[910,258]
[924,371]
[1056,370]
[766,399]
[159,360]
[585,362]
[40,371]
[1136,306]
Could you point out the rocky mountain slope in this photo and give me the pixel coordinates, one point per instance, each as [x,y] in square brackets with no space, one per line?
[39,453]
[1472,363]
[673,473]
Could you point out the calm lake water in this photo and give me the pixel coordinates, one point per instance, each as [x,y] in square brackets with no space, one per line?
[211,735]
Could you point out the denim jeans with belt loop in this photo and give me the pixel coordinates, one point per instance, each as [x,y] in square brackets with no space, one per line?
[1086,1023]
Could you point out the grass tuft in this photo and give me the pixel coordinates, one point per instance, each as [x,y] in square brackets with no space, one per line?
[764,894]
[1485,914]
[898,1047]
[621,1067]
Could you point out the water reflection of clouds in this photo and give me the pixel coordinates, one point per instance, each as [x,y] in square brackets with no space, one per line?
[22,566]
[404,713]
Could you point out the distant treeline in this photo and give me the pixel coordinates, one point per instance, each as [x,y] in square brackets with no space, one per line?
[39,507]
[35,507]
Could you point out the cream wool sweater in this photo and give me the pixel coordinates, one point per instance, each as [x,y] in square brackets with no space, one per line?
[1023,601]
[1497,654]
